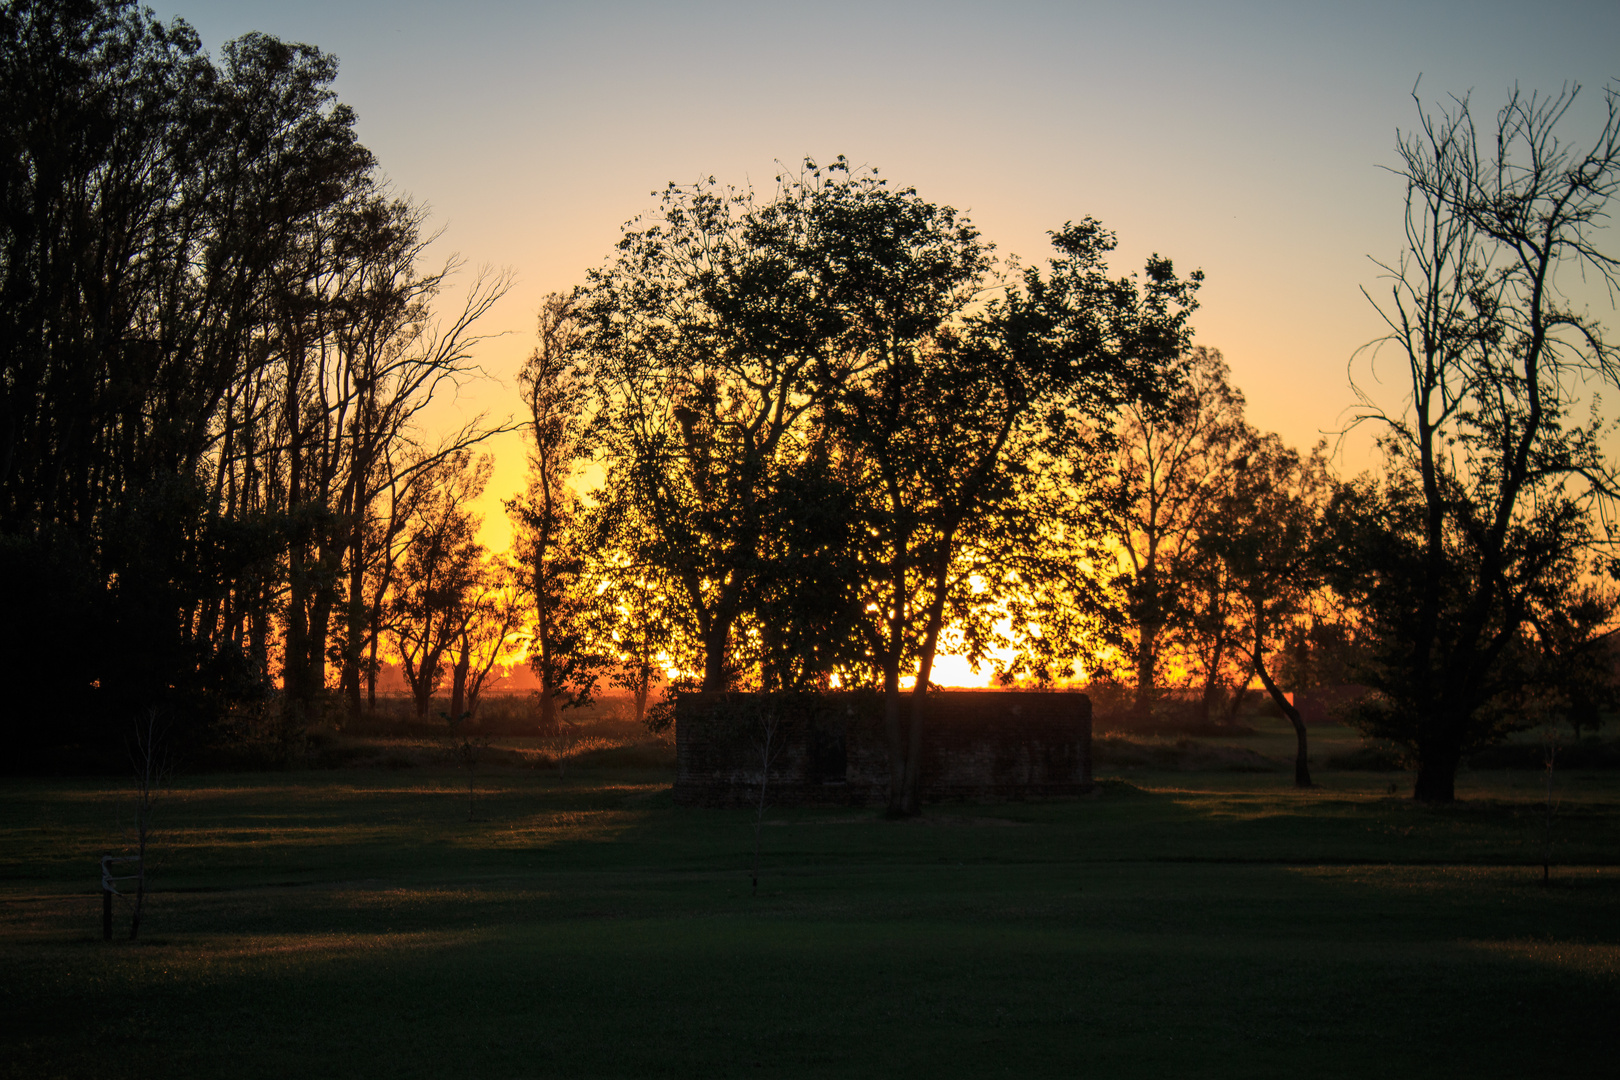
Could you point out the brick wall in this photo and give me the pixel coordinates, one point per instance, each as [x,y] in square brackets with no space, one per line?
[830,749]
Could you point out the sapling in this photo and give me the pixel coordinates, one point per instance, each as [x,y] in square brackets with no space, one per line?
[768,741]
[149,756]
[1549,746]
[466,748]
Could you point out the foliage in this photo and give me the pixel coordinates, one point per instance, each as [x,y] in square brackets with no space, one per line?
[827,451]
[551,541]
[635,623]
[443,570]
[1175,465]
[214,341]
[714,335]
[1266,540]
[974,442]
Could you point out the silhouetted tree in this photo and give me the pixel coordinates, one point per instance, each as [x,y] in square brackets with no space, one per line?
[637,619]
[1578,676]
[148,197]
[970,430]
[831,454]
[433,601]
[1175,464]
[1266,537]
[215,340]
[715,336]
[550,541]
[496,609]
[1486,504]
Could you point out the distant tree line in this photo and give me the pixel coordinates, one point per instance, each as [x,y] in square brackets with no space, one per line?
[830,436]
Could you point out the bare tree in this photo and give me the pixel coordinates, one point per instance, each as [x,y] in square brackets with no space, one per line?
[1490,485]
[149,755]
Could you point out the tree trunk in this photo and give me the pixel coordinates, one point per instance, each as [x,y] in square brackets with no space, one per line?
[295,658]
[1212,683]
[372,666]
[1437,771]
[1234,705]
[349,682]
[896,737]
[1146,664]
[548,705]
[714,657]
[320,624]
[458,685]
[642,687]
[259,631]
[355,622]
[546,670]
[1302,768]
[422,686]
[911,796]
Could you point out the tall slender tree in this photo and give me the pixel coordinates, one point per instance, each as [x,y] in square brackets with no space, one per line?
[1175,462]
[550,538]
[1266,538]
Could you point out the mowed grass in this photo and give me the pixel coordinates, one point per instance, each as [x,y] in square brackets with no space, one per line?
[1179,924]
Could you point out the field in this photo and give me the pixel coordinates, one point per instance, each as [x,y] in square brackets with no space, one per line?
[1200,920]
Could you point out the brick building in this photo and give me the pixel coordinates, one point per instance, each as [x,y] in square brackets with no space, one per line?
[830,749]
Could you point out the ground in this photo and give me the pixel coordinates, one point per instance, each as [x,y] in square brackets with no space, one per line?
[1209,923]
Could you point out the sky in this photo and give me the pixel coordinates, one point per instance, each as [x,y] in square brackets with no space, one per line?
[1249,140]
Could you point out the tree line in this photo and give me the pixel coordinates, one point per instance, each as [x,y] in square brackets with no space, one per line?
[830,436]
[837,437]
[218,334]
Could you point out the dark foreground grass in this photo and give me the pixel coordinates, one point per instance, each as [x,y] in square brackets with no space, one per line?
[356,924]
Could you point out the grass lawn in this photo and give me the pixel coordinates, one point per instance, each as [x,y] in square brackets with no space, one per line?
[357,924]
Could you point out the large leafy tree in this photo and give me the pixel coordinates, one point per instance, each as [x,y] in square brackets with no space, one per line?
[843,447]
[969,436]
[1486,507]
[717,335]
